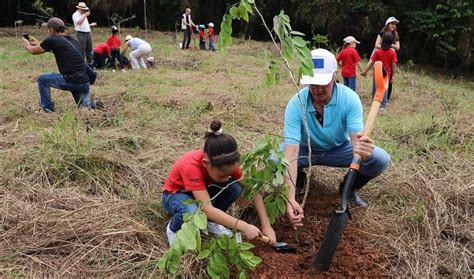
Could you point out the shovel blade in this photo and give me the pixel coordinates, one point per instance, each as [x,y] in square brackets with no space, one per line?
[331,240]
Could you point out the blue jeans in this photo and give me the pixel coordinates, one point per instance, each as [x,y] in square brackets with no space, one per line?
[173,203]
[80,92]
[212,45]
[115,52]
[350,82]
[342,157]
[384,102]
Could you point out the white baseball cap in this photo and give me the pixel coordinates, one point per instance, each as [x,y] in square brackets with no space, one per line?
[128,37]
[324,67]
[350,39]
[391,19]
[210,24]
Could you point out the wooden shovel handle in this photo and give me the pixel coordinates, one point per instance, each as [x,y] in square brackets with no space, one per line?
[381,85]
[264,239]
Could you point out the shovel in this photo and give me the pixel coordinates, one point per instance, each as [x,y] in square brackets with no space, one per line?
[281,247]
[341,216]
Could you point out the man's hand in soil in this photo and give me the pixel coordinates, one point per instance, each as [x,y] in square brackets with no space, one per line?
[295,213]
[270,233]
[362,145]
[251,232]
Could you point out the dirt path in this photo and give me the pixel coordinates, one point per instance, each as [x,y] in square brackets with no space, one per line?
[354,256]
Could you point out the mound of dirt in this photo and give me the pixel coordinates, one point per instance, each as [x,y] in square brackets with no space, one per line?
[354,257]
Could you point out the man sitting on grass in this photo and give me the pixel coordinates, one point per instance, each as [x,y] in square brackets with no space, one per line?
[71,65]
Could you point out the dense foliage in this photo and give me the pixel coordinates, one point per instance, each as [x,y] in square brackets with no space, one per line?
[436,32]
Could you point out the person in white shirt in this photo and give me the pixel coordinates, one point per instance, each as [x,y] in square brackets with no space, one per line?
[187,25]
[140,50]
[83,30]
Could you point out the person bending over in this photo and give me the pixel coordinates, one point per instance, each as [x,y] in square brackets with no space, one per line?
[211,173]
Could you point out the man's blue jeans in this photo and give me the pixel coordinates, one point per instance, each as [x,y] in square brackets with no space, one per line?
[350,82]
[80,92]
[342,157]
[173,203]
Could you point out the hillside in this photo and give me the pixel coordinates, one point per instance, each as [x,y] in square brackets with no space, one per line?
[80,190]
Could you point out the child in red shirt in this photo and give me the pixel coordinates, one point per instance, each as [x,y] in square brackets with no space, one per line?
[388,56]
[349,58]
[202,35]
[211,173]
[114,43]
[211,36]
[100,53]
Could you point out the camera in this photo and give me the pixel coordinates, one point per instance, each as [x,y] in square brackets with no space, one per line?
[26,36]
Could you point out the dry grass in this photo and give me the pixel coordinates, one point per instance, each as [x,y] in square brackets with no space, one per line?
[80,190]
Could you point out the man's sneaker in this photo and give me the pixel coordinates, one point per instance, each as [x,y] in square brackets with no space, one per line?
[218,229]
[357,200]
[170,234]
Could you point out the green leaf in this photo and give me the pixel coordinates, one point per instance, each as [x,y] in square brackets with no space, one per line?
[234,12]
[242,275]
[204,254]
[250,1]
[189,202]
[281,205]
[186,236]
[298,41]
[243,11]
[200,220]
[248,7]
[297,33]
[246,246]
[162,262]
[222,241]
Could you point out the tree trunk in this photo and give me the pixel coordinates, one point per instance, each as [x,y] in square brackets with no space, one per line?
[466,40]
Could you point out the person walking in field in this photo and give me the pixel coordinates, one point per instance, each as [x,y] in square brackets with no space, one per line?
[140,50]
[211,36]
[202,36]
[114,43]
[71,65]
[334,116]
[388,56]
[390,26]
[211,173]
[348,59]
[83,30]
[187,26]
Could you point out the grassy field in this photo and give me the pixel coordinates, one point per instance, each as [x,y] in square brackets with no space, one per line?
[80,190]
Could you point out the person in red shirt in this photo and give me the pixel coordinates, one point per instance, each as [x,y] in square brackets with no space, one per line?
[114,43]
[211,173]
[100,53]
[211,36]
[202,36]
[349,58]
[388,56]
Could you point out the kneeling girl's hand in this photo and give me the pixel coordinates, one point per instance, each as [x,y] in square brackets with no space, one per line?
[251,232]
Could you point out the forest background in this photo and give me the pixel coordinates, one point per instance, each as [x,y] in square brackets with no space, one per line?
[439,33]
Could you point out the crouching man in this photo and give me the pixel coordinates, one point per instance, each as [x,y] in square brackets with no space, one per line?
[71,65]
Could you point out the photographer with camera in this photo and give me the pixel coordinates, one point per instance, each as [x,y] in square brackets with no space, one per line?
[71,65]
[83,30]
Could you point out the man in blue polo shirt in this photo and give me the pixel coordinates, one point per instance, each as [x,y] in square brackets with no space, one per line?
[335,121]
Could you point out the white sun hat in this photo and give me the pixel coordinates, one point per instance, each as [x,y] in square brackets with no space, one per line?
[391,19]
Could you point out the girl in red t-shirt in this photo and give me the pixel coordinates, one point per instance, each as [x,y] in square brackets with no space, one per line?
[349,58]
[114,43]
[211,173]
